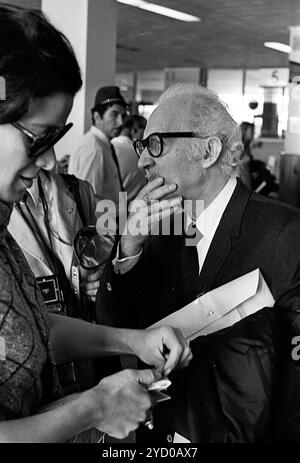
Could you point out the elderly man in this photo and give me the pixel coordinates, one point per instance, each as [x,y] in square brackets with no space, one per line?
[190,151]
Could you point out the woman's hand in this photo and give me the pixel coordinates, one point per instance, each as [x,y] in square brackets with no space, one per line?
[164,348]
[120,402]
[90,282]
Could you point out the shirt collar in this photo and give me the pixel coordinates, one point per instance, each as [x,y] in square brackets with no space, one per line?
[101,135]
[209,219]
[33,193]
[122,139]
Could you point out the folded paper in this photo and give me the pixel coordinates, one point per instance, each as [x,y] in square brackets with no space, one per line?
[221,307]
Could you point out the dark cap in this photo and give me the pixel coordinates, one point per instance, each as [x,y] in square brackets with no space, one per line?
[107,95]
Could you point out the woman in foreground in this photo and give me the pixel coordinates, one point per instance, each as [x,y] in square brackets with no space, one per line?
[41,77]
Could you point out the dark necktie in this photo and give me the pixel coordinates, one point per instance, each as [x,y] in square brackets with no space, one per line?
[114,156]
[189,265]
[193,235]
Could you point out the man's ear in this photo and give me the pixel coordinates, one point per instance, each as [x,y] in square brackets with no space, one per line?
[97,116]
[213,151]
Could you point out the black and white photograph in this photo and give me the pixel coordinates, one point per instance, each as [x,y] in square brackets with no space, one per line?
[149,226]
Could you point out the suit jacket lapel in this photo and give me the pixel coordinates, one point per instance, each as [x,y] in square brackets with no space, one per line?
[172,275]
[220,247]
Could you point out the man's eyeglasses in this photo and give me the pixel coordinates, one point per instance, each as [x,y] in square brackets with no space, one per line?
[154,142]
[39,144]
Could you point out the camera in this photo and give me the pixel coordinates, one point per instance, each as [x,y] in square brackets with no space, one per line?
[52,294]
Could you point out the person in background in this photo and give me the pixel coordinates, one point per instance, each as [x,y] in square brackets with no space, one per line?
[247,132]
[139,124]
[254,173]
[42,76]
[133,178]
[95,159]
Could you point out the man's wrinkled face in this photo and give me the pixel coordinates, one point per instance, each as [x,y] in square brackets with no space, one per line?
[174,164]
[111,122]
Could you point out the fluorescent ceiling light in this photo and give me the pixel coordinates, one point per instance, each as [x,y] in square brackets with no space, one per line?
[161,10]
[278,46]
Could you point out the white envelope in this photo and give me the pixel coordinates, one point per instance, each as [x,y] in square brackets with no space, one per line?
[221,307]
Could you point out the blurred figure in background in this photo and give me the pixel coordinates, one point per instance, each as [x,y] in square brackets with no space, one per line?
[133,178]
[247,132]
[253,172]
[139,124]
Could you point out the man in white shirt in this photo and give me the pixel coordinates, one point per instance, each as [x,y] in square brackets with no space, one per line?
[234,386]
[133,178]
[95,159]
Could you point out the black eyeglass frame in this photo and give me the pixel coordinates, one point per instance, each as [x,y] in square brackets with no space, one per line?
[161,136]
[39,144]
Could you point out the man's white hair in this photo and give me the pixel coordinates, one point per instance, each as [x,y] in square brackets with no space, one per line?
[208,116]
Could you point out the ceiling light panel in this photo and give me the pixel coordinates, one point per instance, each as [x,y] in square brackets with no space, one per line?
[161,10]
[278,46]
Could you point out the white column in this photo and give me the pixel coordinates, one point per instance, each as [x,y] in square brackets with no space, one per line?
[91,27]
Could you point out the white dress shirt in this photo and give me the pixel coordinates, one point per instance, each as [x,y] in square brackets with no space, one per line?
[133,178]
[208,221]
[93,161]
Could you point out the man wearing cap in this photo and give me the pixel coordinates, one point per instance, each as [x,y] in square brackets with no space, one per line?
[95,159]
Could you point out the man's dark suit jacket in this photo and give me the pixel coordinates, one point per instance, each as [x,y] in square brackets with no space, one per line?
[242,385]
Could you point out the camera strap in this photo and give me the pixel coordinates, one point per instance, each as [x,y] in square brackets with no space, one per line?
[54,262]
[27,216]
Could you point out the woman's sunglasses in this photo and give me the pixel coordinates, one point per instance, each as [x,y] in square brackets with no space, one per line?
[39,144]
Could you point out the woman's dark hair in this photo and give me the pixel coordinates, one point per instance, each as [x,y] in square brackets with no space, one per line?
[36,60]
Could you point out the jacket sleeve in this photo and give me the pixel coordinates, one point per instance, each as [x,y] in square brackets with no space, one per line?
[125,300]
[286,275]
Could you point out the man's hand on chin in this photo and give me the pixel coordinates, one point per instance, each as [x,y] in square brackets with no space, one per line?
[155,202]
